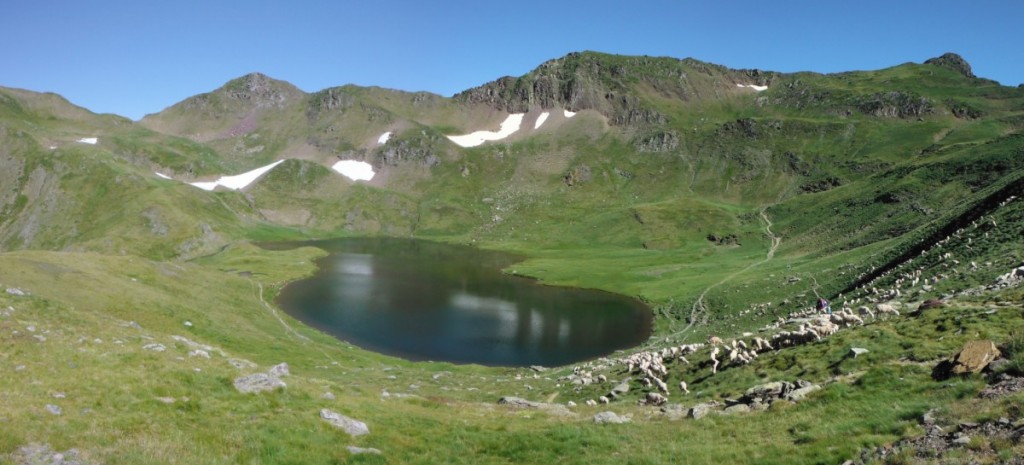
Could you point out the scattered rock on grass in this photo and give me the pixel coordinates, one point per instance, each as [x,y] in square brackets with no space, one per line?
[43,454]
[351,426]
[362,450]
[609,417]
[54,409]
[258,382]
[155,347]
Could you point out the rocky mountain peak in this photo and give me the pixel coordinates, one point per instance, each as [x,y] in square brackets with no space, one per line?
[261,89]
[954,62]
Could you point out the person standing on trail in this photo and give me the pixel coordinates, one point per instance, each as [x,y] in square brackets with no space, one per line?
[823,306]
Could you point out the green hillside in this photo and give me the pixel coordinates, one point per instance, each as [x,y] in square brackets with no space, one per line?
[724,207]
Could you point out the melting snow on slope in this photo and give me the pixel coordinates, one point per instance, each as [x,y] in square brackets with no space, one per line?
[540,120]
[508,127]
[354,170]
[753,86]
[383,139]
[569,114]
[162,175]
[89,140]
[238,181]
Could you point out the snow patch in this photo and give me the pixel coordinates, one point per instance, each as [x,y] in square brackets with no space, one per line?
[354,170]
[569,114]
[540,120]
[89,140]
[508,127]
[383,139]
[754,86]
[162,175]
[238,181]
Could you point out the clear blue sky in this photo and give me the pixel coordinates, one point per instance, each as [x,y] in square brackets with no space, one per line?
[137,57]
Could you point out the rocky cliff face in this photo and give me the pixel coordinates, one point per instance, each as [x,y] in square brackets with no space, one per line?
[954,62]
[621,88]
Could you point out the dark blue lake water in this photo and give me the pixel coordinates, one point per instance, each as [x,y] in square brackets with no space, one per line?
[422,300]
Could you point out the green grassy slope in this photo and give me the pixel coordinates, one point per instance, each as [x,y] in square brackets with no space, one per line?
[722,207]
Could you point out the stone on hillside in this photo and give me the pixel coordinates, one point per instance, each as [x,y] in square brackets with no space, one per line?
[155,347]
[43,454]
[328,395]
[621,388]
[258,382]
[609,417]
[702,410]
[855,351]
[737,408]
[15,291]
[199,353]
[54,409]
[518,402]
[351,426]
[538,368]
[279,370]
[768,391]
[362,450]
[799,394]
[974,357]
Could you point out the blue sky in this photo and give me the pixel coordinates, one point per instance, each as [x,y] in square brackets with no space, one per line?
[138,57]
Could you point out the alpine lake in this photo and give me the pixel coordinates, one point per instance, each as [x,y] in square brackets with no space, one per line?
[421,300]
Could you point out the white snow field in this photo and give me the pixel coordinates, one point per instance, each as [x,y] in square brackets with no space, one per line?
[753,86]
[238,181]
[162,175]
[383,139]
[354,170]
[540,120]
[569,114]
[89,140]
[508,127]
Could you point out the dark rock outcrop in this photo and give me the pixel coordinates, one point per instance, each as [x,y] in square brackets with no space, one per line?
[952,61]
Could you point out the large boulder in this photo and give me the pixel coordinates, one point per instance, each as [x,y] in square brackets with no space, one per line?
[351,426]
[974,357]
[609,417]
[702,410]
[768,391]
[258,382]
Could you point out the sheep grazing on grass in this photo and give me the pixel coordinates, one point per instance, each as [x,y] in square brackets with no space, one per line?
[714,340]
[887,309]
[603,400]
[682,387]
[653,398]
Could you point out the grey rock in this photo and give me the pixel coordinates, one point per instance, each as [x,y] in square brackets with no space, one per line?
[963,440]
[328,395]
[768,391]
[538,368]
[737,408]
[621,388]
[518,402]
[674,412]
[855,351]
[351,426]
[54,409]
[258,382]
[702,410]
[199,353]
[362,450]
[15,291]
[279,370]
[155,347]
[43,454]
[609,417]
[800,394]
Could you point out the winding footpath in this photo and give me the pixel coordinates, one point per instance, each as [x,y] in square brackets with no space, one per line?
[699,309]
